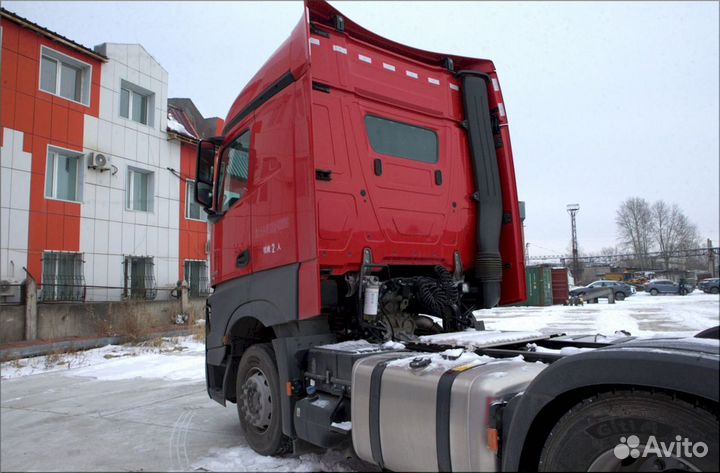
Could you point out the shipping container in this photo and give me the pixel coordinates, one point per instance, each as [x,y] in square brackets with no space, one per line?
[539,283]
[560,285]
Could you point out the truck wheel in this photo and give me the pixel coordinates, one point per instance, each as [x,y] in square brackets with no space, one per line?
[626,431]
[619,296]
[654,292]
[258,401]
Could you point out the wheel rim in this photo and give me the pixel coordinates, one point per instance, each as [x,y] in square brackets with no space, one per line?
[256,403]
[608,461]
[620,296]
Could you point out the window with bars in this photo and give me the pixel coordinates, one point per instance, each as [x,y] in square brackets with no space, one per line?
[196,274]
[62,277]
[139,278]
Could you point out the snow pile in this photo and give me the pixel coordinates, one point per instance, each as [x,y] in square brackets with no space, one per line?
[392,345]
[363,346]
[564,351]
[245,459]
[176,126]
[346,426]
[442,361]
[472,339]
[168,358]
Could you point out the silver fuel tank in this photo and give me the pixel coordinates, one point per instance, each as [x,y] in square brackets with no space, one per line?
[429,412]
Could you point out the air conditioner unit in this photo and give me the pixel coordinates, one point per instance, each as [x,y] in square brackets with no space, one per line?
[97,161]
[9,288]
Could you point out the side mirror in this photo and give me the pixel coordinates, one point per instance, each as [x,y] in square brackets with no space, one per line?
[205,173]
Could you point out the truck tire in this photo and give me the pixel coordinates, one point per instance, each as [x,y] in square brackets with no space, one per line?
[619,296]
[258,401]
[612,431]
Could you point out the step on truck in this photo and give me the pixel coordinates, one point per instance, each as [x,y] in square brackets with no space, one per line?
[362,205]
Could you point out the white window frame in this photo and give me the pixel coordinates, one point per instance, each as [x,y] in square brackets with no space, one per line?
[130,190]
[59,58]
[188,184]
[79,178]
[149,102]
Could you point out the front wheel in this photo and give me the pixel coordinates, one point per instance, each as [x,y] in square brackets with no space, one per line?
[258,401]
[619,296]
[633,431]
[654,292]
[714,290]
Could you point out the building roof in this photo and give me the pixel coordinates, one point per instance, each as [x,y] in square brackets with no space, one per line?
[185,119]
[6,14]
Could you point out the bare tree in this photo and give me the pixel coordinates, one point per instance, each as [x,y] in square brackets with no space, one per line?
[672,230]
[635,226]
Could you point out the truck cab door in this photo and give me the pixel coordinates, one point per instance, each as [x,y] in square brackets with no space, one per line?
[232,251]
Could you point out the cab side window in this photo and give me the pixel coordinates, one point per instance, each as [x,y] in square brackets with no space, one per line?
[234,171]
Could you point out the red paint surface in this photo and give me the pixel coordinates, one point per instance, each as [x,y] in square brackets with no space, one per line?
[44,120]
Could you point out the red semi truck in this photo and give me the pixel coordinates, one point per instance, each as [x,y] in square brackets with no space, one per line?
[363,204]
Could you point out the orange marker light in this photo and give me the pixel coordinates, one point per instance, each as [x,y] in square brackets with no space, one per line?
[492,440]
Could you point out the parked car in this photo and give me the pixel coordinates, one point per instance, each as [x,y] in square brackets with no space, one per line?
[666,286]
[621,289]
[710,285]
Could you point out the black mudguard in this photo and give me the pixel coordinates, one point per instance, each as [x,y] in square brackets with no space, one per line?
[687,366]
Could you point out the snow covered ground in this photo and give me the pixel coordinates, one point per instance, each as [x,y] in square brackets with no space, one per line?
[96,386]
[640,314]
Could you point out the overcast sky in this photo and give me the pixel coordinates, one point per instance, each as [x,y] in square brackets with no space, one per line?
[605,100]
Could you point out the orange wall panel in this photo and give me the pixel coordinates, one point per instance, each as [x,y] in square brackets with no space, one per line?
[7,108]
[24,112]
[9,36]
[59,123]
[8,71]
[42,118]
[27,75]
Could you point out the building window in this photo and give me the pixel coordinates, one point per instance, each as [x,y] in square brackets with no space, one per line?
[64,76]
[193,211]
[196,274]
[63,175]
[62,277]
[136,103]
[139,190]
[402,140]
[139,278]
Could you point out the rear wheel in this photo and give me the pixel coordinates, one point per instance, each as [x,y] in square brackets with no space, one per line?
[626,431]
[258,401]
[654,292]
[619,296]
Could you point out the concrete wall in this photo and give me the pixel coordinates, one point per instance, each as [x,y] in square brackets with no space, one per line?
[12,323]
[91,319]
